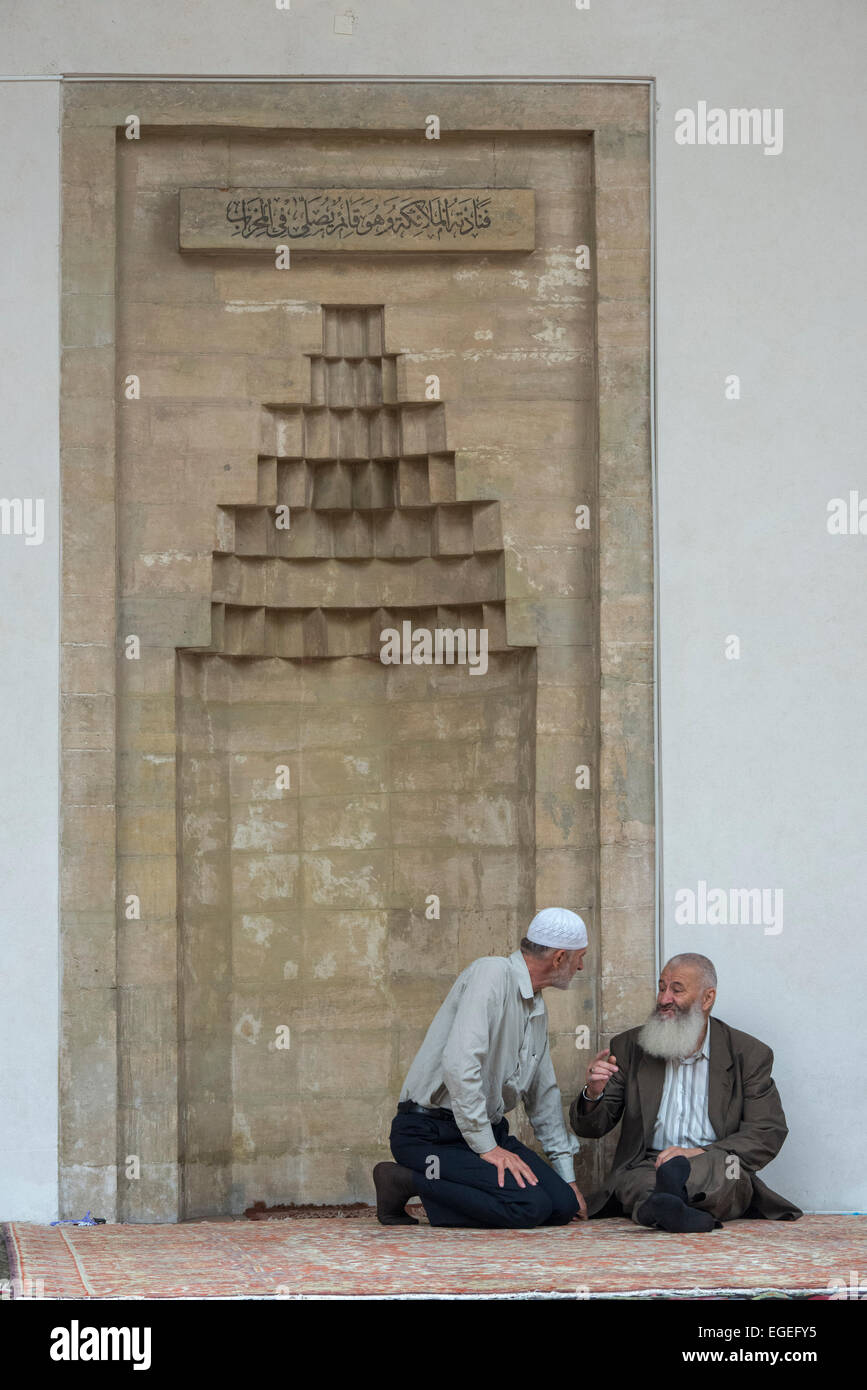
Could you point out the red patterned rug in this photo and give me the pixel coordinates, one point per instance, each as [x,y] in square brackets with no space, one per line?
[310,1258]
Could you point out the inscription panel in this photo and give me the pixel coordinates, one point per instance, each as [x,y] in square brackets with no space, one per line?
[357,219]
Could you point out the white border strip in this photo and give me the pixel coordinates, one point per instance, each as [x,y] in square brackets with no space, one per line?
[307,77]
[654,485]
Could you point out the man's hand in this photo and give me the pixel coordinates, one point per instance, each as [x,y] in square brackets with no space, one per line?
[581,1214]
[600,1072]
[674,1152]
[506,1162]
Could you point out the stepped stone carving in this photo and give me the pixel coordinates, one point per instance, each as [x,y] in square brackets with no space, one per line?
[376,535]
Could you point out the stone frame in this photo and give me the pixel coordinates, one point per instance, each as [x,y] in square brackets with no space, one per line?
[95,1092]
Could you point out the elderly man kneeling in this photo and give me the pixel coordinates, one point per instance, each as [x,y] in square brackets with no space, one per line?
[486,1049]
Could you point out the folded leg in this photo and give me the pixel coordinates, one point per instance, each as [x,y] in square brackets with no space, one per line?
[718,1184]
[714,1185]
[459,1188]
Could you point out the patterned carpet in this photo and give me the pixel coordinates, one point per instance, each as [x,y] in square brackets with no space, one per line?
[314,1258]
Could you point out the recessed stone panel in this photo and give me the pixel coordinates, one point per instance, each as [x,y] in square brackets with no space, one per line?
[318,841]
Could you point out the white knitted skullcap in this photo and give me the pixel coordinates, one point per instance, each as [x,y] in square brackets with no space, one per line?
[557,926]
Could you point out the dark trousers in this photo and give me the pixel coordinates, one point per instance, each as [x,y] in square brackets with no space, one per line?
[458,1188]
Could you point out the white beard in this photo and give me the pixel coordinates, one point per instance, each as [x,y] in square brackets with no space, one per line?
[672,1038]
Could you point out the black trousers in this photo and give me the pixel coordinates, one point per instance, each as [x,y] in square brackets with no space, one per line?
[458,1188]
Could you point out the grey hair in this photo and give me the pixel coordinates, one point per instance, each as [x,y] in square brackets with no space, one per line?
[701,963]
[533,948]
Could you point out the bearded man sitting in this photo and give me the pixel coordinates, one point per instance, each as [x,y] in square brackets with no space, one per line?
[701,1114]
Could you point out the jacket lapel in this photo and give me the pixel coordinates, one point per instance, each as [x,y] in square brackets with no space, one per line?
[719,1085]
[651,1080]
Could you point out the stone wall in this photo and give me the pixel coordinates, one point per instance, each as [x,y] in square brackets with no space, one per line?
[304,908]
[263,906]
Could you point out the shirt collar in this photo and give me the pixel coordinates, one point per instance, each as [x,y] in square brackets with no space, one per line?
[703,1051]
[522,976]
[521,973]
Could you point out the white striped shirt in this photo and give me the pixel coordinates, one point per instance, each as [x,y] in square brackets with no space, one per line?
[682,1120]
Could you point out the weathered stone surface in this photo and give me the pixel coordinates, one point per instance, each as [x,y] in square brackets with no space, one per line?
[88,1187]
[424,813]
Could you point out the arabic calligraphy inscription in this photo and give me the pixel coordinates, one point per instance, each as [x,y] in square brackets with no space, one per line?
[480,219]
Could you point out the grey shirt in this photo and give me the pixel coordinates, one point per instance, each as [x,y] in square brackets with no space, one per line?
[486,1049]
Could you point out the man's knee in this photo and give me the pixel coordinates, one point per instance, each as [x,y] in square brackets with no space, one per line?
[564,1204]
[531,1207]
[717,1183]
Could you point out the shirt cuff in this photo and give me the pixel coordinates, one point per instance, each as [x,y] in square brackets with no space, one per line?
[480,1140]
[564,1167]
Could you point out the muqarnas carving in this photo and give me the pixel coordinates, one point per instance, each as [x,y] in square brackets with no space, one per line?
[304,905]
[376,534]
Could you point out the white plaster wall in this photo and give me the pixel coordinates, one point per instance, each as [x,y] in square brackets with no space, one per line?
[29,653]
[759,258]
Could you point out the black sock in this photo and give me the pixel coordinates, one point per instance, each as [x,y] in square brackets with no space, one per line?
[669,1213]
[671,1177]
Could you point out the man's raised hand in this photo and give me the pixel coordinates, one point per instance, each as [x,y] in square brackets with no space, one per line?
[600,1072]
[506,1162]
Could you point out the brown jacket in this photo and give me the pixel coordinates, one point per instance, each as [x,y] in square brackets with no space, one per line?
[743,1106]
